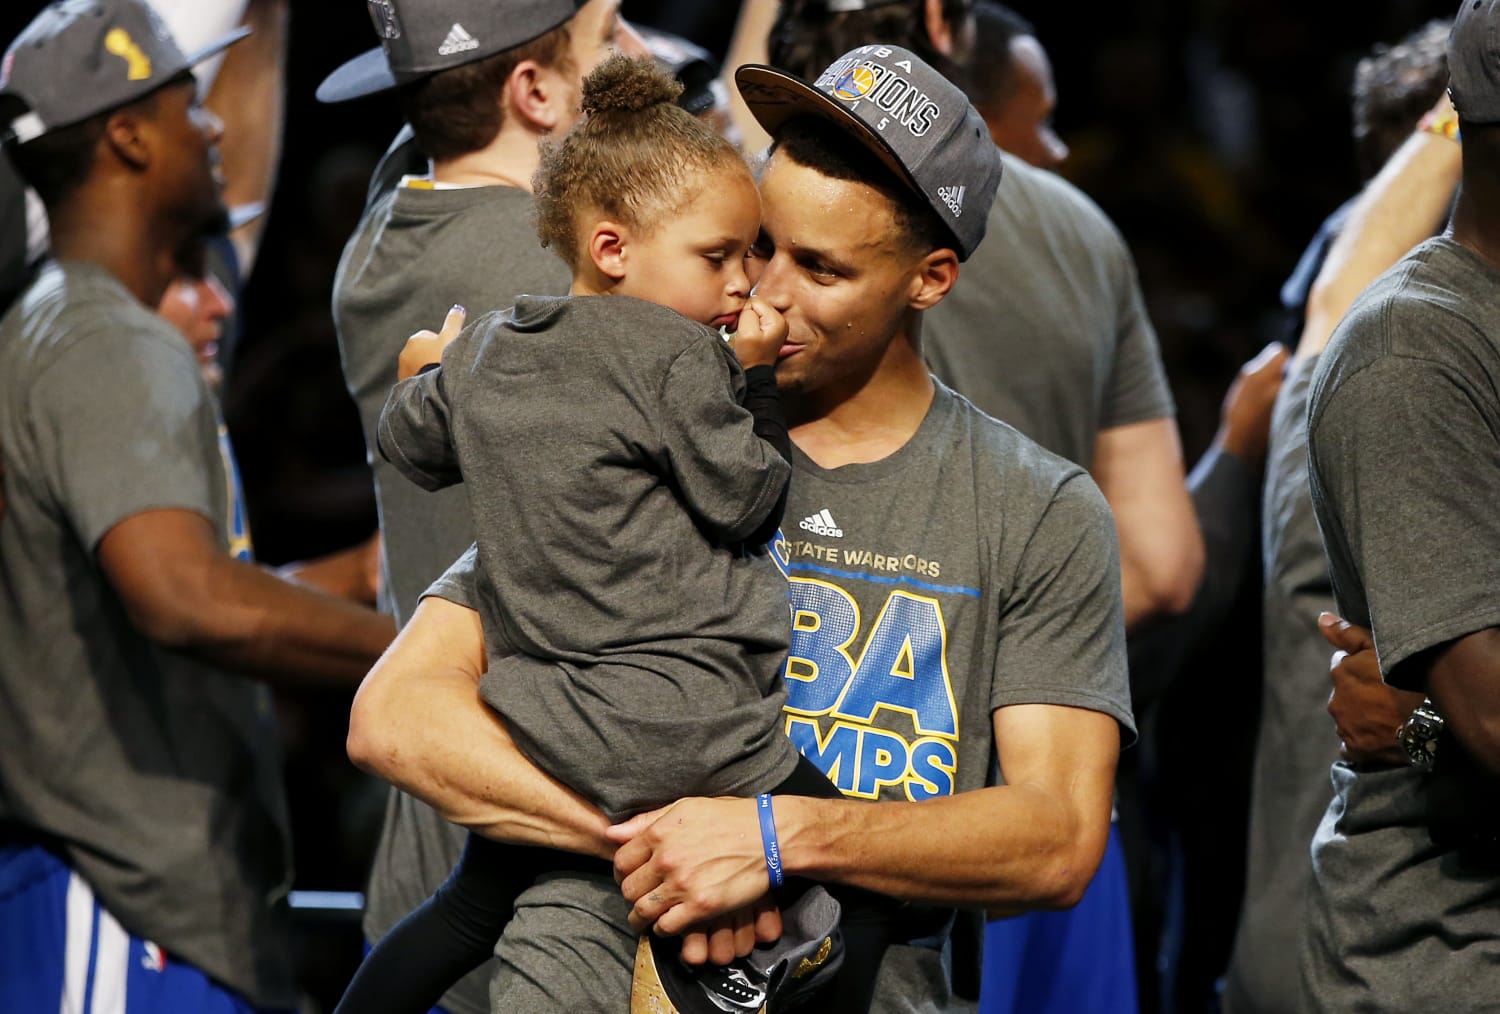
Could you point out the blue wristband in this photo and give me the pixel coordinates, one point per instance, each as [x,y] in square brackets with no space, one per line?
[768,840]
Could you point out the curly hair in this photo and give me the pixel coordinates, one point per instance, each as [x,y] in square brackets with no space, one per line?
[634,156]
[1393,87]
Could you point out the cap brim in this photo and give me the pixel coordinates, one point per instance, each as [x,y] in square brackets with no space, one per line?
[213,49]
[774,97]
[369,73]
[244,214]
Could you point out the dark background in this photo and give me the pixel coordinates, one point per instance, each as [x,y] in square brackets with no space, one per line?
[1215,134]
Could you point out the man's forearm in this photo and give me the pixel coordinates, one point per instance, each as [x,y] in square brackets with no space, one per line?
[284,633]
[418,723]
[1139,469]
[1406,203]
[1008,847]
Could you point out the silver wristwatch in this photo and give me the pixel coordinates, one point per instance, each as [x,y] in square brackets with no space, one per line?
[1418,736]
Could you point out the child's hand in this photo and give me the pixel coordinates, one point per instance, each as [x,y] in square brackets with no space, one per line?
[425,348]
[761,333]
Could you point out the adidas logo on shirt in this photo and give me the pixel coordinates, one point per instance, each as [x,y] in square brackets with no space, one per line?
[954,198]
[822,523]
[458,41]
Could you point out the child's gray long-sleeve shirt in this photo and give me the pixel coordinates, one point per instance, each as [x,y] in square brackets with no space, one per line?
[611,473]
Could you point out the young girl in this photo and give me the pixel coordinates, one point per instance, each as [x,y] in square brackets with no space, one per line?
[625,469]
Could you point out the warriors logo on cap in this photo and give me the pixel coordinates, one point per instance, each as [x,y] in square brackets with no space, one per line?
[855,84]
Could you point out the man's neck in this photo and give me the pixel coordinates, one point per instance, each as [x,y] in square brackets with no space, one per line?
[871,420]
[507,161]
[1476,218]
[120,234]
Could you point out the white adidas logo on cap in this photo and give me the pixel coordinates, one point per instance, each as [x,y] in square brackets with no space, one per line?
[822,523]
[458,41]
[954,198]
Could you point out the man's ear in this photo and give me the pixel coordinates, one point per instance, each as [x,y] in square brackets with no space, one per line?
[608,248]
[538,96]
[127,134]
[938,30]
[933,277]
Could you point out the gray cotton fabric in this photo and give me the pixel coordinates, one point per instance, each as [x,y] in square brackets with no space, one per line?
[1297,742]
[158,776]
[968,571]
[414,254]
[1046,328]
[1405,471]
[648,641]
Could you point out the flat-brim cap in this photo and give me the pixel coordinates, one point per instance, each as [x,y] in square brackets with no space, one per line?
[80,58]
[419,38]
[914,120]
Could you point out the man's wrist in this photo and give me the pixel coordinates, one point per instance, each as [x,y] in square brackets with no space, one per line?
[1443,123]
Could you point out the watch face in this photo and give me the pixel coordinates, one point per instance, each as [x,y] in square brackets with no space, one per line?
[1419,737]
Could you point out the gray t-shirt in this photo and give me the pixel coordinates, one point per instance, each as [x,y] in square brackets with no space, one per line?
[647,641]
[1404,441]
[158,776]
[968,571]
[1297,742]
[415,253]
[1046,328]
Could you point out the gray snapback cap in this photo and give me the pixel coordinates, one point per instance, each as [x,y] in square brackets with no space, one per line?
[1474,62]
[418,38]
[79,58]
[917,122]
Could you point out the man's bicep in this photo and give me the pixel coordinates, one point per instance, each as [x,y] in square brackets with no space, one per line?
[1406,464]
[1139,470]
[1137,390]
[1062,630]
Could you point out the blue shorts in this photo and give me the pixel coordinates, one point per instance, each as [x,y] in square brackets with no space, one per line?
[1081,961]
[64,953]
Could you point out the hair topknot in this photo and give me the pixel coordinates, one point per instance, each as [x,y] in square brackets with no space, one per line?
[628,84]
[635,157]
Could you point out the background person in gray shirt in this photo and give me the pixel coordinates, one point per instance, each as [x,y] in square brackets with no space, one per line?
[1404,469]
[141,804]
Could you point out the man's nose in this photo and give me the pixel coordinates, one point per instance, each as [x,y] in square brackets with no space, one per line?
[216,300]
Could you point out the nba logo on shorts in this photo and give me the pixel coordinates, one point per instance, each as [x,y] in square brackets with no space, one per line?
[854,84]
[153,960]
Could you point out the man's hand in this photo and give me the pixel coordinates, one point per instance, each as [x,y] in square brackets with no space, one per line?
[762,331]
[425,348]
[1245,419]
[690,863]
[1366,711]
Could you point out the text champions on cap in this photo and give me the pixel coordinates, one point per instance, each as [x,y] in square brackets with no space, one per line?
[856,78]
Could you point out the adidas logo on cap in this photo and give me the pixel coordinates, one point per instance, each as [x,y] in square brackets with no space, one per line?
[458,41]
[822,523]
[954,198]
